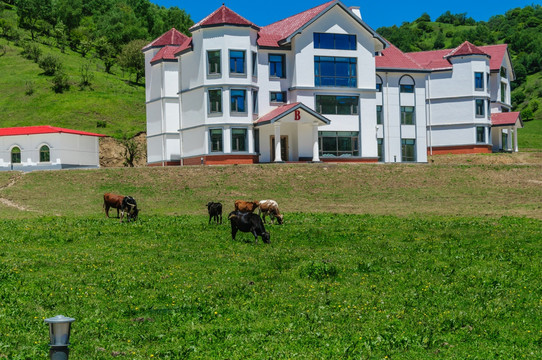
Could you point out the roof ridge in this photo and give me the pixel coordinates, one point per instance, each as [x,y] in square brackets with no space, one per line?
[302,12]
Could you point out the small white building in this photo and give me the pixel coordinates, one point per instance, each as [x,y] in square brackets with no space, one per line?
[324,83]
[47,147]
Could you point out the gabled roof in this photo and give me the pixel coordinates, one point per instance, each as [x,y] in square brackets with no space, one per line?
[171,37]
[393,58]
[506,119]
[497,53]
[280,32]
[465,49]
[223,16]
[42,129]
[284,110]
[167,53]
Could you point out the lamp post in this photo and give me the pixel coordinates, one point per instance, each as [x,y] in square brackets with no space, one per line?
[59,333]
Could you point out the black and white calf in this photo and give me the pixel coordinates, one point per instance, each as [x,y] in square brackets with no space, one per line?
[215,211]
[129,207]
[248,222]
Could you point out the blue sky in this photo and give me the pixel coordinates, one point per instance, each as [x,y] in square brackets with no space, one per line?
[375,13]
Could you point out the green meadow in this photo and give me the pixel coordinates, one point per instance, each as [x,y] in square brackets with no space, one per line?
[429,261]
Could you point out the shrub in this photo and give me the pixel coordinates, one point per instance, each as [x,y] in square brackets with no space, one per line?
[60,82]
[29,88]
[319,270]
[50,64]
[31,51]
[101,124]
[86,76]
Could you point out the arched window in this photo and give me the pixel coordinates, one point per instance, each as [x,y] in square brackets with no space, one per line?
[406,84]
[45,155]
[378,84]
[15,155]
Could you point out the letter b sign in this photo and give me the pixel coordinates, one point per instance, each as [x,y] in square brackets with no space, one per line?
[297,114]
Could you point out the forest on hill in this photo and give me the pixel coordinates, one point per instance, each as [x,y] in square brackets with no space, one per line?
[520,28]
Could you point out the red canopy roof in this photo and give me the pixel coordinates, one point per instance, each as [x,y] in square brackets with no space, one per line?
[505,118]
[42,129]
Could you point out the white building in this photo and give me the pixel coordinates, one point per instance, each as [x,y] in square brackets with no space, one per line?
[46,148]
[325,84]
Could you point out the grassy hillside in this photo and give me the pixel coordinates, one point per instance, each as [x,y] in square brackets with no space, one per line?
[112,101]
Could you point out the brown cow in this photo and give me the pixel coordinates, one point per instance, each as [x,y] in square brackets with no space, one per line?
[246,206]
[125,204]
[112,201]
[271,208]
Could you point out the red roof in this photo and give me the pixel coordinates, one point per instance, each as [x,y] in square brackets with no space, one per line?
[393,58]
[497,53]
[276,113]
[171,37]
[43,129]
[272,34]
[284,110]
[223,16]
[165,53]
[505,118]
[466,48]
[432,60]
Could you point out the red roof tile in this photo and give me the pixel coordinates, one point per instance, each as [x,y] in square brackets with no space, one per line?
[171,37]
[466,48]
[272,34]
[284,110]
[505,118]
[497,53]
[393,58]
[166,53]
[42,129]
[277,112]
[223,16]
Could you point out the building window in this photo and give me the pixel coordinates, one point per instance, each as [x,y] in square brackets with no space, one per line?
[254,64]
[409,89]
[380,148]
[335,71]
[408,150]
[15,155]
[45,155]
[378,87]
[239,139]
[408,116]
[215,101]
[337,105]
[480,134]
[256,134]
[213,62]
[480,112]
[279,97]
[503,72]
[277,65]
[238,101]
[478,81]
[334,41]
[503,92]
[254,101]
[237,62]
[379,120]
[338,143]
[216,139]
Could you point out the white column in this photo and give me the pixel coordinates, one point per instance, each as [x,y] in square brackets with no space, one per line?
[516,147]
[278,157]
[315,149]
[509,140]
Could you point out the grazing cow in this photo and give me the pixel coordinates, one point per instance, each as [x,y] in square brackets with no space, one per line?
[271,208]
[246,206]
[129,207]
[215,211]
[112,201]
[248,222]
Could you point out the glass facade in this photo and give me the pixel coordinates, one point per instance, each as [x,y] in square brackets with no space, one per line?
[338,143]
[335,41]
[335,71]
[337,105]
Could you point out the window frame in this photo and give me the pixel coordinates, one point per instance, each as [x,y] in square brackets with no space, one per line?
[254,64]
[235,73]
[354,106]
[319,43]
[219,72]
[404,158]
[380,149]
[48,152]
[479,81]
[353,137]
[210,106]
[479,114]
[255,105]
[221,150]
[406,88]
[504,89]
[233,148]
[16,150]
[404,116]
[273,66]
[320,78]
[480,130]
[284,94]
[236,111]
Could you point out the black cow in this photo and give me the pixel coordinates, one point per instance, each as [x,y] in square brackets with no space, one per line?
[129,207]
[248,222]
[215,211]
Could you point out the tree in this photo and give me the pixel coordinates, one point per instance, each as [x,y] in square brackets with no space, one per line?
[106,53]
[132,59]
[31,11]
[133,150]
[439,41]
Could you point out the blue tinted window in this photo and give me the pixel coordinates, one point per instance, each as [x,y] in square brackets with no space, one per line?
[238,101]
[237,62]
[334,41]
[479,81]
[278,97]
[276,65]
[407,88]
[335,71]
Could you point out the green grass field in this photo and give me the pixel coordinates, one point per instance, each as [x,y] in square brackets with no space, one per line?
[373,262]
[328,286]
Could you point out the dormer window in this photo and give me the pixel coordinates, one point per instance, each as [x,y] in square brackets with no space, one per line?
[503,72]
[334,41]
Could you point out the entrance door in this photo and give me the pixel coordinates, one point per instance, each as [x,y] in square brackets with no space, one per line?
[283,147]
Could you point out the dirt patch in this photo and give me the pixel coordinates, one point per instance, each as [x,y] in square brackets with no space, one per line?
[111,151]
[520,158]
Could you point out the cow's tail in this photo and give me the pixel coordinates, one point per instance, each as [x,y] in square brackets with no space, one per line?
[232,215]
